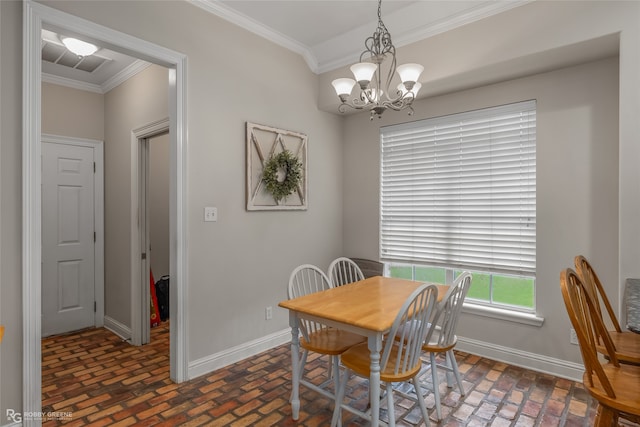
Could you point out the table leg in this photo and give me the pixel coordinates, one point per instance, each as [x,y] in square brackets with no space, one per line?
[295,366]
[375,345]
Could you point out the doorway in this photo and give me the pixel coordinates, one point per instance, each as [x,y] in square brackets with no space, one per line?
[153,203]
[34,16]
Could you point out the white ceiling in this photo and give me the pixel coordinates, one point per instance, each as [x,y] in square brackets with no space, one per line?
[327,33]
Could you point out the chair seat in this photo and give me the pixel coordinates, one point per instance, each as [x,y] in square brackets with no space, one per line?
[357,359]
[434,347]
[627,346]
[624,381]
[331,341]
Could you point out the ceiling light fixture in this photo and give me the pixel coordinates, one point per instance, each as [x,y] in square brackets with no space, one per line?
[79,47]
[368,74]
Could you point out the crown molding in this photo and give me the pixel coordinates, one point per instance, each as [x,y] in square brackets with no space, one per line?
[420,31]
[258,28]
[136,67]
[74,84]
[318,66]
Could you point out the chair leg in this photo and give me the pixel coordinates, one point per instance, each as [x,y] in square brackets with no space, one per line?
[337,409]
[390,405]
[605,417]
[436,385]
[451,359]
[303,361]
[423,407]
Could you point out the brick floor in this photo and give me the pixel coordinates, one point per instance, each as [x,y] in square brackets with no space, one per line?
[96,379]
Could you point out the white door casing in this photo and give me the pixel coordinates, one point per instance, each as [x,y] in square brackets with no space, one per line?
[69,236]
[34,16]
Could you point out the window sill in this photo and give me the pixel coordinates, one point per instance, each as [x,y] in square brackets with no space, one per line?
[502,314]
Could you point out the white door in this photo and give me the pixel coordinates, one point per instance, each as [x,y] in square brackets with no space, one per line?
[68,238]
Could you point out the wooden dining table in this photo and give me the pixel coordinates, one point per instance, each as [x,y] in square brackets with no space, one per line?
[367,307]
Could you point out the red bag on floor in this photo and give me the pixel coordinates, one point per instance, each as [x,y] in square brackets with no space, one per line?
[155,315]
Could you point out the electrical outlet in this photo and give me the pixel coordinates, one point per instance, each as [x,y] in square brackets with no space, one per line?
[268,313]
[573,338]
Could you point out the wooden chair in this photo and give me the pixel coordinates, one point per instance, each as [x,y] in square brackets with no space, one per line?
[400,357]
[612,384]
[626,343]
[444,338]
[306,279]
[343,270]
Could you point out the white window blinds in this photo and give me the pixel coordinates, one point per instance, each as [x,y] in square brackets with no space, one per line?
[460,190]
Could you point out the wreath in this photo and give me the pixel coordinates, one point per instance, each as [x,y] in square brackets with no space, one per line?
[277,186]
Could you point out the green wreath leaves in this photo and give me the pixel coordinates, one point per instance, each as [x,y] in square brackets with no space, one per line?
[291,166]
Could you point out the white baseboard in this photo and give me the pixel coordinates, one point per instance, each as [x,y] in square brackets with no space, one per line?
[235,354]
[512,356]
[535,362]
[121,330]
[15,424]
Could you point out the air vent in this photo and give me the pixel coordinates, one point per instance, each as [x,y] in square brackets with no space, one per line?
[58,54]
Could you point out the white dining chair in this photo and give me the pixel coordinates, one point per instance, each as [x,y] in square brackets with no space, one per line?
[444,339]
[306,279]
[400,357]
[344,270]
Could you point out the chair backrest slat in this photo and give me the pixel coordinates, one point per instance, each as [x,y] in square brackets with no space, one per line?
[594,286]
[588,324]
[304,280]
[410,329]
[449,309]
[343,270]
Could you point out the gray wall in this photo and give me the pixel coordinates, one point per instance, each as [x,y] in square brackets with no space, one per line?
[72,112]
[141,100]
[240,264]
[576,198]
[159,204]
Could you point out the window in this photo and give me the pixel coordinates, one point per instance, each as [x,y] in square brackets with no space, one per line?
[458,193]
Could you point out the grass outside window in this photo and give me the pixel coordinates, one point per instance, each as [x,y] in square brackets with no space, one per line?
[516,292]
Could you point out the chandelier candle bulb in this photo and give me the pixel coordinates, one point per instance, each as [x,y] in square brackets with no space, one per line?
[363,73]
[343,87]
[410,73]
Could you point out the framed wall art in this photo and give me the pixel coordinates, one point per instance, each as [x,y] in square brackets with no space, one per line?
[276,169]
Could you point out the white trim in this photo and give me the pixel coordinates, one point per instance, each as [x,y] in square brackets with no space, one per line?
[139,294]
[12,425]
[503,314]
[419,31]
[256,27]
[73,84]
[136,67]
[98,209]
[535,362]
[34,15]
[235,354]
[120,329]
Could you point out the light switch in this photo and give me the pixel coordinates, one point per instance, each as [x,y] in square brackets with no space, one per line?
[210,214]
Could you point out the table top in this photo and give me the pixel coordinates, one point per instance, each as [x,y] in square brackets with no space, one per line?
[371,303]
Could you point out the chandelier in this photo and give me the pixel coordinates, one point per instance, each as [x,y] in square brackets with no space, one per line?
[376,93]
